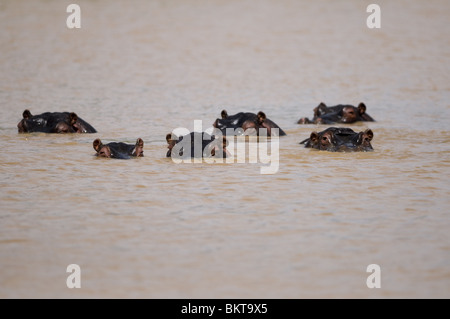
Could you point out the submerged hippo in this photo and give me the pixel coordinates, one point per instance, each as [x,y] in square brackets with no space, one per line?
[339,139]
[338,114]
[196,145]
[118,149]
[246,121]
[56,122]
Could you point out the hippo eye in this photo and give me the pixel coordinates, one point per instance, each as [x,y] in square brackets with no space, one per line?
[324,140]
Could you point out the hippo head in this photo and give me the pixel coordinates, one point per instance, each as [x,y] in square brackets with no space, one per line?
[209,145]
[351,114]
[340,140]
[53,123]
[119,150]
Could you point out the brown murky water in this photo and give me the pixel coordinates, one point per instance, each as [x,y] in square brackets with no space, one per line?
[152,228]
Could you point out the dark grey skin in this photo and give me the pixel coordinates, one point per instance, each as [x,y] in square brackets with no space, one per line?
[118,149]
[56,122]
[246,121]
[342,113]
[339,139]
[208,145]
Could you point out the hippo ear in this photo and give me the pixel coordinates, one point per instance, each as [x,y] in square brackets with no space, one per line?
[140,143]
[319,109]
[369,134]
[168,138]
[261,117]
[314,137]
[362,108]
[139,148]
[73,118]
[224,114]
[97,145]
[26,114]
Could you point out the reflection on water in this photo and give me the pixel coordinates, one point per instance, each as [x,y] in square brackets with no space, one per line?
[151,228]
